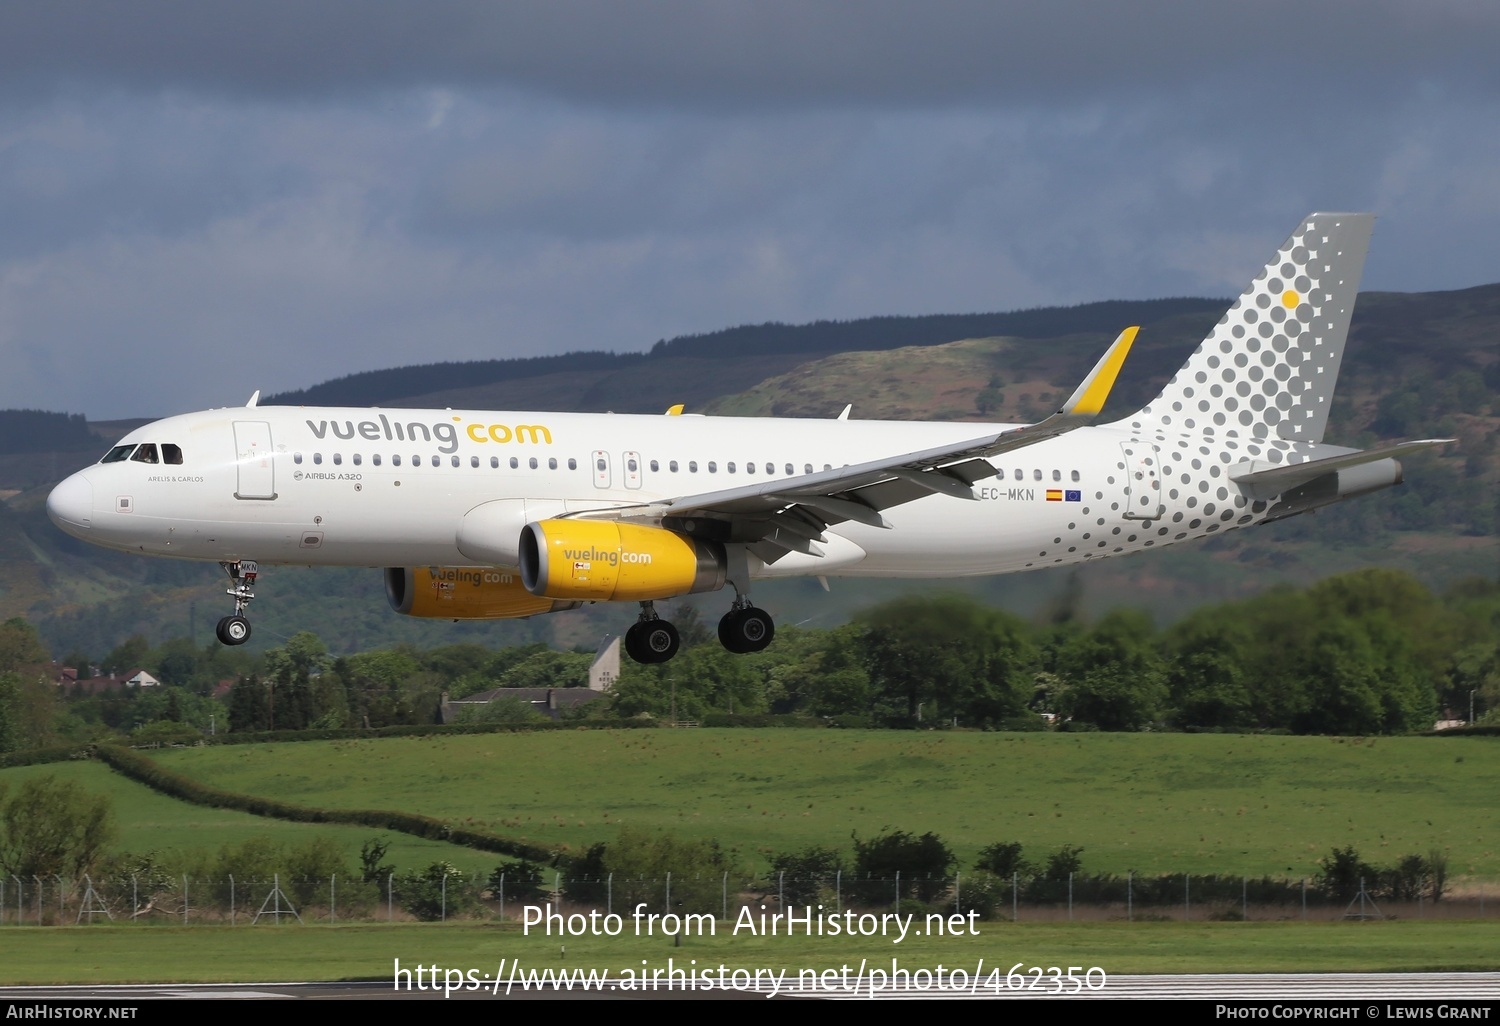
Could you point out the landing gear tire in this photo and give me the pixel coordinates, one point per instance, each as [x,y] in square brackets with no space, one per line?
[233,630]
[652,641]
[746,630]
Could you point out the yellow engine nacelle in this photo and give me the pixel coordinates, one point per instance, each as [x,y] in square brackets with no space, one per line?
[603,560]
[463,593]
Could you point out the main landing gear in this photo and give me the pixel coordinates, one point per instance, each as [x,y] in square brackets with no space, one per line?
[654,640]
[651,639]
[743,629]
[235,630]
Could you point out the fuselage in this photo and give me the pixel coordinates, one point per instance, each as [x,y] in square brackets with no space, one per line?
[368,487]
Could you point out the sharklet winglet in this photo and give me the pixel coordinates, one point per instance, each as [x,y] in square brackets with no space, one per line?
[1088,399]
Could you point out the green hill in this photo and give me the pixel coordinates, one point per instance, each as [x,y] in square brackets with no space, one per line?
[1418,365]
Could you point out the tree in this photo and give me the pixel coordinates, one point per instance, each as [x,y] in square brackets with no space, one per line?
[52,827]
[801,876]
[249,705]
[1003,858]
[1342,873]
[27,702]
[961,657]
[437,892]
[922,862]
[130,654]
[1114,677]
[640,861]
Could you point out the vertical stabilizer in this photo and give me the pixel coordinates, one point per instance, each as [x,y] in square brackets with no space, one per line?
[1269,367]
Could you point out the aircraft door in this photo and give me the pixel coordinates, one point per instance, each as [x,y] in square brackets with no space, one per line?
[255,460]
[600,459]
[632,469]
[1143,498]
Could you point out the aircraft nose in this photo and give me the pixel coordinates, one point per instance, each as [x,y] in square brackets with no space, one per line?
[71,504]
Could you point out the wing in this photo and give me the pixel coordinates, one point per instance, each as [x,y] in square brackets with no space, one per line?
[784,515]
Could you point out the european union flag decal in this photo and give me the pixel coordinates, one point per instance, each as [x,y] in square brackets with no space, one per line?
[1074,496]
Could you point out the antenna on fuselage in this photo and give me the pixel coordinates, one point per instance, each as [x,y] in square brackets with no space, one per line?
[254,399]
[845,414]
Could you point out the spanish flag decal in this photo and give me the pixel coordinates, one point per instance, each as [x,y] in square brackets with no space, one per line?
[1054,495]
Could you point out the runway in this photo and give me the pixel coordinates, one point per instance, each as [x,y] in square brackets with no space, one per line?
[1366,992]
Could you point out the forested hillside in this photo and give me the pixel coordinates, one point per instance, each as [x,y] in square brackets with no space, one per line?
[1418,365]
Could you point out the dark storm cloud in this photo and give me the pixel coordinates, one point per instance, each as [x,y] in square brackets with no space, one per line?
[204,198]
[763,54]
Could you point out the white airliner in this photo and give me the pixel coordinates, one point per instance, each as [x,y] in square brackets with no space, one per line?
[485,515]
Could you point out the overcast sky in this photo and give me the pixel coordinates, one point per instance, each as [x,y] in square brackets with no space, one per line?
[199,199]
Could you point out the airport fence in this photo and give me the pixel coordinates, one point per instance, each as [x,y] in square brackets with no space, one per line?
[454,897]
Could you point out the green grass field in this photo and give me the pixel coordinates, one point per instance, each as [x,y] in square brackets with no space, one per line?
[1159,803]
[148,821]
[267,953]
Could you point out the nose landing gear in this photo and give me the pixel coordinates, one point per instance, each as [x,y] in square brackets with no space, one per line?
[235,629]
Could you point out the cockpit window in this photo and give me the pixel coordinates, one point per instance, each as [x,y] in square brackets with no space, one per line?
[118,453]
[171,454]
[145,453]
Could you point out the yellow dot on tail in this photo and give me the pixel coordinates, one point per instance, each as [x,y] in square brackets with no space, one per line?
[1290,299]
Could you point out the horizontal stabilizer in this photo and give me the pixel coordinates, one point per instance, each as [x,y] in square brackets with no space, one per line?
[1262,480]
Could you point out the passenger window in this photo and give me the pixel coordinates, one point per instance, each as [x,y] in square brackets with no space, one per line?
[532,462]
[1057,475]
[452,460]
[770,468]
[730,466]
[437,461]
[1036,475]
[789,470]
[171,454]
[375,460]
[473,461]
[552,463]
[749,468]
[515,464]
[297,458]
[145,453]
[318,458]
[1020,474]
[338,459]
[632,464]
[828,466]
[600,466]
[396,460]
[713,468]
[494,462]
[572,463]
[807,468]
[358,459]
[672,466]
[1075,475]
[692,466]
[118,453]
[655,466]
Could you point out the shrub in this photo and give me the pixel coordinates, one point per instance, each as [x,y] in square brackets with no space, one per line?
[922,862]
[803,876]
